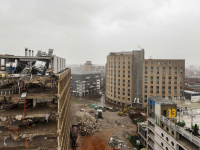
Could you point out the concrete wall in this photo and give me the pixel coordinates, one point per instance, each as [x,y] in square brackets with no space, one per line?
[58,64]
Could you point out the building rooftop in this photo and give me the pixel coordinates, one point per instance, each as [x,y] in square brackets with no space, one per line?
[188,104]
[161,101]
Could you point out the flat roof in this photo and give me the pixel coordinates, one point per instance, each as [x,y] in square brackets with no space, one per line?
[188,104]
[191,92]
[161,101]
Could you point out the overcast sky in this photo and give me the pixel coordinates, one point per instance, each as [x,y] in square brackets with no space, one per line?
[90,29]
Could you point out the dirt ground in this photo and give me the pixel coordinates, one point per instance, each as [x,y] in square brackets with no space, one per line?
[112,125]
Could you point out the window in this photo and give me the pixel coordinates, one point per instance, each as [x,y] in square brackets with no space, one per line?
[146,69]
[123,98]
[151,62]
[118,81]
[118,97]
[170,70]
[158,63]
[157,80]
[129,58]
[175,70]
[123,82]
[175,90]
[151,89]
[3,64]
[172,132]
[123,92]
[119,64]
[129,74]
[167,139]
[175,63]
[162,133]
[163,63]
[145,79]
[172,143]
[123,64]
[169,63]
[129,99]
[145,89]
[123,58]
[181,70]
[181,63]
[163,71]
[146,62]
[151,70]
[157,89]
[118,90]
[151,79]
[166,148]
[145,98]
[167,130]
[169,90]
[129,83]
[158,70]
[129,65]
[163,127]
[123,74]
[169,80]
[129,92]
[161,144]
[118,58]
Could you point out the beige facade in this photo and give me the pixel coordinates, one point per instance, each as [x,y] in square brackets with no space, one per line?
[119,78]
[87,66]
[163,77]
[130,76]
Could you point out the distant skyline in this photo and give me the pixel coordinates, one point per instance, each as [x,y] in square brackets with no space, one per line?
[81,30]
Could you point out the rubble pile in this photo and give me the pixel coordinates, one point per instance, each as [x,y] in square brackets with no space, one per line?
[87,124]
[116,143]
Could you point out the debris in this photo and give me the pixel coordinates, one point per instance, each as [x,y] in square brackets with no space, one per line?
[47,116]
[18,117]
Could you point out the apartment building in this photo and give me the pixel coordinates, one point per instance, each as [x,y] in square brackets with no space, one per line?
[85,82]
[130,78]
[124,77]
[162,131]
[164,78]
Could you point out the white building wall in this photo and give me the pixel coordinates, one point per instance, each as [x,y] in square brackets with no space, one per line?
[157,109]
[195,98]
[159,138]
[58,64]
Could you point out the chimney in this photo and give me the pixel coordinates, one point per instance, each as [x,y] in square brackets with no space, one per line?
[26,51]
[29,52]
[32,53]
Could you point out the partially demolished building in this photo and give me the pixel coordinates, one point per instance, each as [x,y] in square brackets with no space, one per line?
[34,101]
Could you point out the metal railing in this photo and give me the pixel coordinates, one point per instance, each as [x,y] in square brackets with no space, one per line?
[180,130]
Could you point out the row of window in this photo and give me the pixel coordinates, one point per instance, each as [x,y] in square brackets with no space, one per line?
[110,65]
[123,98]
[110,89]
[162,88]
[110,73]
[114,58]
[169,80]
[110,81]
[163,63]
[158,71]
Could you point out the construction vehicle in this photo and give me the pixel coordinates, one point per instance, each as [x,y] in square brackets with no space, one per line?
[99,114]
[122,112]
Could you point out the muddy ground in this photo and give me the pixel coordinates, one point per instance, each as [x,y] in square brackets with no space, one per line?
[112,125]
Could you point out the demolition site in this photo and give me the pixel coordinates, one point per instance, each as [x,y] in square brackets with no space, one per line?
[34,101]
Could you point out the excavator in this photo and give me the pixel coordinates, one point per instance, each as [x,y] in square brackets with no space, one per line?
[124,110]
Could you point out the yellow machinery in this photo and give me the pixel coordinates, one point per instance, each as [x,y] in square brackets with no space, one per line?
[124,110]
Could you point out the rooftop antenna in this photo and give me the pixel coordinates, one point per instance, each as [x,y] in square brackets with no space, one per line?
[141,48]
